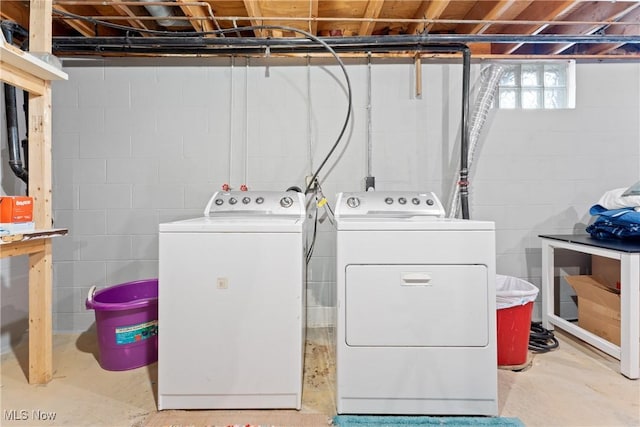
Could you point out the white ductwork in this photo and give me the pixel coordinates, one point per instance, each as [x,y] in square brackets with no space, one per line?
[161,11]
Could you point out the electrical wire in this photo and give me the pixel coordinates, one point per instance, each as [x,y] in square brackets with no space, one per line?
[541,340]
[240,29]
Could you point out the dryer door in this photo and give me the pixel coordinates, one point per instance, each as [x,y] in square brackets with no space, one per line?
[417,305]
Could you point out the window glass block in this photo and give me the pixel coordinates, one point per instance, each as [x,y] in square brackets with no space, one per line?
[531,98]
[555,75]
[531,75]
[555,98]
[509,76]
[508,98]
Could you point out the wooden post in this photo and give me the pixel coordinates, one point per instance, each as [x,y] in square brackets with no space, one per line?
[40,264]
[418,63]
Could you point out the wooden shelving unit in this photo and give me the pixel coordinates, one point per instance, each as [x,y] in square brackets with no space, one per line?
[27,72]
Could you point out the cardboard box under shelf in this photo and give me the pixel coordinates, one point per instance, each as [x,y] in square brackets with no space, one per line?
[606,270]
[598,307]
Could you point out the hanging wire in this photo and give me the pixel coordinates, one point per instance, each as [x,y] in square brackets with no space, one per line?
[246,123]
[309,115]
[231,107]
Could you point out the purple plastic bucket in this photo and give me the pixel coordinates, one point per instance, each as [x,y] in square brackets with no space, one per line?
[126,323]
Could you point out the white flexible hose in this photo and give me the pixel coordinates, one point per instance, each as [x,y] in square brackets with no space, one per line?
[490,77]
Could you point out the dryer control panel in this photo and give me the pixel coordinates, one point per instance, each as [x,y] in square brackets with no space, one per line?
[388,204]
[249,203]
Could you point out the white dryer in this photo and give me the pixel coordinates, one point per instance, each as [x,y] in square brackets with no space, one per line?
[231,304]
[416,312]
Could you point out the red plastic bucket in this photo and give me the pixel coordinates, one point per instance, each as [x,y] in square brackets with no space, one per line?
[514,325]
[126,324]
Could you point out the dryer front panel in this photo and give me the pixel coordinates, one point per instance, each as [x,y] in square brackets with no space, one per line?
[417,305]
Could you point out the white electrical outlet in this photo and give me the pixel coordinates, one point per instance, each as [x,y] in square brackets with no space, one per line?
[222,283]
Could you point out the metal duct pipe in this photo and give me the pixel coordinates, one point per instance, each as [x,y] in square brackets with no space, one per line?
[464,139]
[160,11]
[11,112]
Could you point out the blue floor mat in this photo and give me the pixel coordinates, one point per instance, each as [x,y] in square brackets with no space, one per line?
[404,421]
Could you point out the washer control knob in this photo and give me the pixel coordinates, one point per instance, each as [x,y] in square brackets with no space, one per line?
[402,200]
[286,202]
[430,202]
[388,200]
[219,202]
[259,200]
[246,200]
[233,201]
[353,202]
[415,201]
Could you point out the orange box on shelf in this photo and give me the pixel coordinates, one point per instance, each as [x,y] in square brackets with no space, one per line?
[16,209]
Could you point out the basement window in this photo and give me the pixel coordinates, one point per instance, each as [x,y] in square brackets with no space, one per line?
[545,85]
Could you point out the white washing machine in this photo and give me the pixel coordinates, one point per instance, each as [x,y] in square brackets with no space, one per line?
[416,312]
[231,304]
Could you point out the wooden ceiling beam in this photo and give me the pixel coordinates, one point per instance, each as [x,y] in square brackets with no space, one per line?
[195,11]
[633,17]
[17,12]
[313,14]
[83,27]
[537,11]
[254,11]
[485,11]
[610,12]
[372,12]
[427,10]
[123,10]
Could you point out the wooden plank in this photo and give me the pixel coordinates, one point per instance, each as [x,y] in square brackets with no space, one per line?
[484,11]
[609,12]
[538,10]
[254,11]
[29,63]
[372,12]
[633,17]
[20,78]
[205,25]
[40,316]
[427,10]
[40,264]
[124,10]
[313,14]
[21,248]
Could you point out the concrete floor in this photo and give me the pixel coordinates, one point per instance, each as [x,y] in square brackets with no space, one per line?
[574,385]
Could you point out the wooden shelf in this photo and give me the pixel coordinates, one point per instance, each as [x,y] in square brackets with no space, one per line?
[26,71]
[27,243]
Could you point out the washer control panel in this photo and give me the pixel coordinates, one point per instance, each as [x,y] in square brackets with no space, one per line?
[241,203]
[389,203]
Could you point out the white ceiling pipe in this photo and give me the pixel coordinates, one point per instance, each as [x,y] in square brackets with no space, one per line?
[160,11]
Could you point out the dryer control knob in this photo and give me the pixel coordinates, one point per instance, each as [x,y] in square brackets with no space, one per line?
[415,201]
[353,202]
[233,201]
[286,202]
[402,200]
[246,200]
[219,202]
[388,200]
[430,202]
[260,200]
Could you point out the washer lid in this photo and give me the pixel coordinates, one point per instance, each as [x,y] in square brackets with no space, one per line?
[237,224]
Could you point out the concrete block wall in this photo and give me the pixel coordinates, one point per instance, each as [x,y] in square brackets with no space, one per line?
[140,143]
